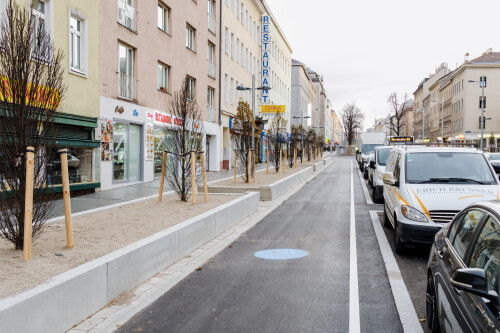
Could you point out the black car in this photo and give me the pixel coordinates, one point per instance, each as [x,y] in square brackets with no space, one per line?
[463,272]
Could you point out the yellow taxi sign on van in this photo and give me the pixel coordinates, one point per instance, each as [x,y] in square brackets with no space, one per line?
[272,109]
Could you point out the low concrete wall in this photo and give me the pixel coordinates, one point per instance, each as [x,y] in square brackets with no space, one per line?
[76,294]
[267,192]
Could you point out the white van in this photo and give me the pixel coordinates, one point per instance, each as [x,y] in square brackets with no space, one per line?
[426,187]
[377,169]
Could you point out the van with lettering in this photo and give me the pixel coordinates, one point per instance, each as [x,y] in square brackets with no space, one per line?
[426,187]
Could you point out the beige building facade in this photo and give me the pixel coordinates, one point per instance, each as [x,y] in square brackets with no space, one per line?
[144,59]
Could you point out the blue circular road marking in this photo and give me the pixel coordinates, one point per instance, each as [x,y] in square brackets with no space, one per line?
[281,254]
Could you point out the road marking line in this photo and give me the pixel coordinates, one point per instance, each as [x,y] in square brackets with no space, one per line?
[368,199]
[354,321]
[407,314]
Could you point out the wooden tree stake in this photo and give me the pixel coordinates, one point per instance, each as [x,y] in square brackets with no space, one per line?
[249,166]
[286,160]
[267,160]
[162,181]
[66,197]
[234,166]
[295,158]
[204,169]
[28,202]
[193,177]
[253,165]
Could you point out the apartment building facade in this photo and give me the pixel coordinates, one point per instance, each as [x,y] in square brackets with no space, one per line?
[240,61]
[73,27]
[318,118]
[144,60]
[302,103]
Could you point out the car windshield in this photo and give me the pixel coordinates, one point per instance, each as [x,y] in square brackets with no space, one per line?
[494,157]
[382,156]
[448,167]
[366,148]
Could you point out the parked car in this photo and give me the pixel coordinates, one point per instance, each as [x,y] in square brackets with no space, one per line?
[370,158]
[367,142]
[495,161]
[463,272]
[376,171]
[426,187]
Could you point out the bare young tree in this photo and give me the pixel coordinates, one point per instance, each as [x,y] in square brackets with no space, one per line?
[398,108]
[31,91]
[277,138]
[241,138]
[187,136]
[352,120]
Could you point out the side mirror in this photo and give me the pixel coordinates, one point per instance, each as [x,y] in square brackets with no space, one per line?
[473,280]
[389,179]
[372,164]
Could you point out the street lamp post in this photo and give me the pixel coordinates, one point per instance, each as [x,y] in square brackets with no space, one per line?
[242,87]
[481,84]
[442,117]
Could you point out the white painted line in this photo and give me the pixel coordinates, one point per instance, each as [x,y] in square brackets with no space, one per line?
[406,310]
[354,321]
[368,199]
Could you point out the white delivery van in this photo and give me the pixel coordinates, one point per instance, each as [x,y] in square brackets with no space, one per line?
[366,144]
[426,187]
[377,169]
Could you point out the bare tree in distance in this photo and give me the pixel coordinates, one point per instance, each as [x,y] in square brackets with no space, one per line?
[352,120]
[241,138]
[277,138]
[181,140]
[31,90]
[398,106]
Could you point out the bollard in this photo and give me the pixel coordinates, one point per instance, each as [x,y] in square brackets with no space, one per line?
[28,203]
[249,166]
[66,196]
[204,169]
[162,181]
[193,177]
[267,160]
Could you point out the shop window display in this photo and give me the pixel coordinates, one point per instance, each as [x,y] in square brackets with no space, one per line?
[79,166]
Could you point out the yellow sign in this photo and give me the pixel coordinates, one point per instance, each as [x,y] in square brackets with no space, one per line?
[41,97]
[272,109]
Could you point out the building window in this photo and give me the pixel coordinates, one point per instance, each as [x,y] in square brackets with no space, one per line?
[40,9]
[242,55]
[163,75]
[242,14]
[190,37]
[238,9]
[225,88]
[191,85]
[211,16]
[237,50]
[126,80]
[77,43]
[231,87]
[210,98]
[127,14]
[232,6]
[226,41]
[232,45]
[482,102]
[163,17]
[482,81]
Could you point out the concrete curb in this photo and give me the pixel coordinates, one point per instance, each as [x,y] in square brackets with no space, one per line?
[267,192]
[76,294]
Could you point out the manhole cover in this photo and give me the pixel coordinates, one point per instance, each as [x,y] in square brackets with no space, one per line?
[281,254]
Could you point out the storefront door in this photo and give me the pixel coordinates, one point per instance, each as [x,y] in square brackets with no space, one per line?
[127,158]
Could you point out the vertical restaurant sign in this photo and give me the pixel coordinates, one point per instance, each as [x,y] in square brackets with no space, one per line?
[265,58]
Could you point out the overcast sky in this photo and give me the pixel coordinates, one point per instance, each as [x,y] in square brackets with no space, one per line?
[366,49]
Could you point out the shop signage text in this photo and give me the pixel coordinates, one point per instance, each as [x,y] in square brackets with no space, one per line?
[168,119]
[266,52]
[272,109]
[39,96]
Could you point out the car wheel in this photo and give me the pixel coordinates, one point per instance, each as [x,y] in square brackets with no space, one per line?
[398,245]
[365,174]
[387,222]
[432,316]
[376,199]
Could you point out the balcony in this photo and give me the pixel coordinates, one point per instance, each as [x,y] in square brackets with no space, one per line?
[211,69]
[211,114]
[211,24]
[127,87]
[127,15]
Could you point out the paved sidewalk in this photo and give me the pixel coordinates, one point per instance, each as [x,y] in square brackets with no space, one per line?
[131,192]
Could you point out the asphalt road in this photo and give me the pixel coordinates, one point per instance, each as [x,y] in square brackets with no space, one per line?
[238,292]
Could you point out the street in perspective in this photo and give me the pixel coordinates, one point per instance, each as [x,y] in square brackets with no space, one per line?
[249,166]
